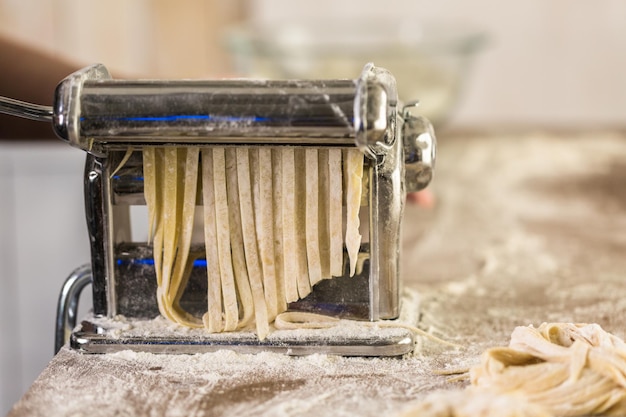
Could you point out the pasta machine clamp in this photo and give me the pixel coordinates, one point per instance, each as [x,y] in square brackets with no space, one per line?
[420,149]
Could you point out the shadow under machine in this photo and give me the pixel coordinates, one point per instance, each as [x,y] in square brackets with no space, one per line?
[113,120]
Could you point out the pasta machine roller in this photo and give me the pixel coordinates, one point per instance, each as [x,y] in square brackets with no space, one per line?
[113,120]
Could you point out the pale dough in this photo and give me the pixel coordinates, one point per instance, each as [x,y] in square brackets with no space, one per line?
[569,369]
[261,166]
[335,212]
[557,369]
[172,176]
[253,263]
[323,207]
[273,220]
[222,222]
[311,216]
[353,172]
[290,266]
[300,221]
[213,317]
[277,201]
[188,162]
[236,236]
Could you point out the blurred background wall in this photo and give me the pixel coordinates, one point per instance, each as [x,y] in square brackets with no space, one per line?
[549,63]
[545,64]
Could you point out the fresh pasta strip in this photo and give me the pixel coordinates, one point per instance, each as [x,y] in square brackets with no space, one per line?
[236,238]
[129,152]
[250,243]
[188,160]
[323,212]
[261,165]
[335,218]
[173,173]
[150,188]
[292,320]
[156,195]
[300,220]
[290,266]
[311,217]
[353,172]
[265,230]
[213,318]
[229,291]
[171,226]
[277,201]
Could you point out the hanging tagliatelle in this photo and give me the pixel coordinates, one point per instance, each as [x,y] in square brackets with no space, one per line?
[273,221]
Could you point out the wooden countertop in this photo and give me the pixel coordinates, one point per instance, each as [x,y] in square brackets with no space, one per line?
[527,228]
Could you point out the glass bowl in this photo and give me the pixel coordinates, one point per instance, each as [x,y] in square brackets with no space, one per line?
[430,61]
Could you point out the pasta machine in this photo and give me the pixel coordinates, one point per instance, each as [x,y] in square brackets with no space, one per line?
[113,119]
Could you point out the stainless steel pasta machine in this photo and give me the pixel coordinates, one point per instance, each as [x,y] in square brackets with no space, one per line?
[113,119]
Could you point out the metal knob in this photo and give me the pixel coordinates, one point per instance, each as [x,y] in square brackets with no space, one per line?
[420,149]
